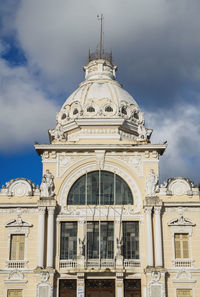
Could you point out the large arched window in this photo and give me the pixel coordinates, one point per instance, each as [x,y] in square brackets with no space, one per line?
[100,187]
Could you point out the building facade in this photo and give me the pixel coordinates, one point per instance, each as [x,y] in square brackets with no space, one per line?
[100,224]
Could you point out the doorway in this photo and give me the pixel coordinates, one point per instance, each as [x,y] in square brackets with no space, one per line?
[132,288]
[99,288]
[67,288]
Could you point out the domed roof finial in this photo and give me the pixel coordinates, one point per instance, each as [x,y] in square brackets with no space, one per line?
[100,53]
[101,50]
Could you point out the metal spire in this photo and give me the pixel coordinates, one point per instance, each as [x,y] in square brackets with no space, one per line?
[100,18]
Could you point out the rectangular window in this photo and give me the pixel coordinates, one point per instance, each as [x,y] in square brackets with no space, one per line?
[106,243]
[14,293]
[184,292]
[131,240]
[181,241]
[68,245]
[17,247]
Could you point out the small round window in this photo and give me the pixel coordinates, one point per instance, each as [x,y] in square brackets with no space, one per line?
[90,109]
[75,111]
[108,109]
[124,110]
[63,116]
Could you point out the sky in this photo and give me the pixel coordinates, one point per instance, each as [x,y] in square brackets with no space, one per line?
[44,45]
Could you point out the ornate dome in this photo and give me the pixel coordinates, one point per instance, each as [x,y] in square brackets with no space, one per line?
[100,97]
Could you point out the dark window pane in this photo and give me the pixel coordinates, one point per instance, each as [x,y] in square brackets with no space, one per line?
[107,240]
[106,243]
[123,193]
[107,188]
[68,245]
[131,240]
[92,240]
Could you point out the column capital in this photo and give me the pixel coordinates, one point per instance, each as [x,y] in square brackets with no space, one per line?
[51,210]
[148,209]
[157,210]
[41,210]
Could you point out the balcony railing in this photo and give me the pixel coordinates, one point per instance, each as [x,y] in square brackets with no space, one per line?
[131,263]
[102,263]
[98,263]
[68,263]
[183,263]
[16,264]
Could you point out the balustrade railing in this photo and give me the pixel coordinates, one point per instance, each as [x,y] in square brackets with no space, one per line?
[183,263]
[16,264]
[131,263]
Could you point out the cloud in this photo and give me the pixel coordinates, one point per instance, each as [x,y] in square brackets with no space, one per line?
[180,126]
[26,113]
[156,43]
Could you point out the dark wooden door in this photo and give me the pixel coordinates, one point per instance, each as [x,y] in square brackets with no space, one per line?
[67,288]
[132,288]
[100,288]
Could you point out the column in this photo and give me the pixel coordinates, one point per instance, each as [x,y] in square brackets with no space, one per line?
[158,237]
[149,236]
[119,285]
[41,234]
[50,237]
[80,292]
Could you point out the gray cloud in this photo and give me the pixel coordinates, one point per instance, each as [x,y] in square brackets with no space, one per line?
[26,113]
[180,126]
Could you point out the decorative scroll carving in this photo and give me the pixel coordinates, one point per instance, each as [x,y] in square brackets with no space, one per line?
[100,155]
[47,185]
[181,221]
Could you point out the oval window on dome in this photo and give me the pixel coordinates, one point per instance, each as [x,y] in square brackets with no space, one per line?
[63,116]
[90,109]
[108,109]
[75,111]
[124,111]
[100,187]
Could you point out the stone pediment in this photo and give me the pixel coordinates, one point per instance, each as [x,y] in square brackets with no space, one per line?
[18,223]
[181,221]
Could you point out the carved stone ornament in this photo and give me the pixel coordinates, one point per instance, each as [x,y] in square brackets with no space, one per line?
[181,221]
[151,184]
[156,275]
[15,277]
[18,223]
[19,187]
[184,276]
[57,134]
[100,155]
[44,276]
[179,186]
[47,185]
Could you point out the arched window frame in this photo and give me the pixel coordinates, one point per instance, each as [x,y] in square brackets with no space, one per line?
[88,198]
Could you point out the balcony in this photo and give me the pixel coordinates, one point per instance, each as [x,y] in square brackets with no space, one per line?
[100,263]
[16,264]
[68,264]
[131,263]
[186,263]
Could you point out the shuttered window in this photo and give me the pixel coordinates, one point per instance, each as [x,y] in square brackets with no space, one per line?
[181,245]
[14,293]
[17,247]
[184,293]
